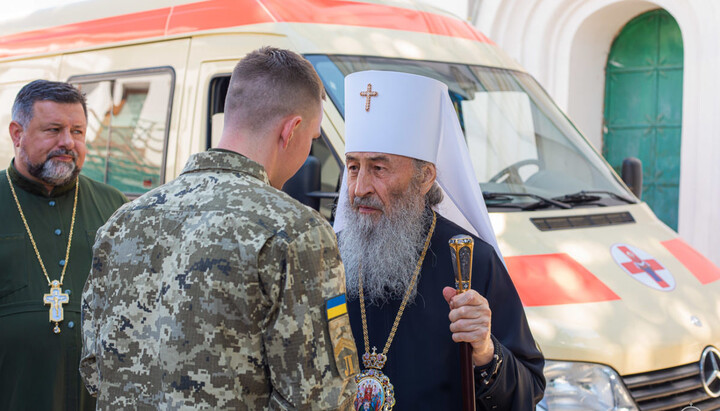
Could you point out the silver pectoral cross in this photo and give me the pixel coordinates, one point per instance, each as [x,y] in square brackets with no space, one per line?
[56,299]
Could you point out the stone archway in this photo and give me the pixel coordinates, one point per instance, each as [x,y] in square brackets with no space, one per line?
[586,66]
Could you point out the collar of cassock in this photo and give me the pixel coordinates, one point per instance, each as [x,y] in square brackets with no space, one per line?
[36,188]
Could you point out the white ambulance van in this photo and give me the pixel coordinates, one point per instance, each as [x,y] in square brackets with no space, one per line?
[626,313]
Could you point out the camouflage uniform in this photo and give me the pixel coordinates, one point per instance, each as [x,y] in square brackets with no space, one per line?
[210,292]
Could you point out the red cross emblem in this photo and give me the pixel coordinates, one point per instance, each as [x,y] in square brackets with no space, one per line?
[643,267]
[639,266]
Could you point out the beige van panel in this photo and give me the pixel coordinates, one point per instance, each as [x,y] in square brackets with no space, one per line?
[645,329]
[351,40]
[13,76]
[26,70]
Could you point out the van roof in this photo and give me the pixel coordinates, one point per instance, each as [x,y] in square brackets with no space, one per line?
[92,23]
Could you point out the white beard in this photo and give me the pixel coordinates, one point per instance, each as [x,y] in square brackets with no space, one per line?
[388,248]
[52,171]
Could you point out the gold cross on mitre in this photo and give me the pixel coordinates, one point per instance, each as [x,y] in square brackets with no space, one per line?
[56,299]
[369,93]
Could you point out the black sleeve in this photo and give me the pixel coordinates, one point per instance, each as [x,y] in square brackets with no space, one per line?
[519,382]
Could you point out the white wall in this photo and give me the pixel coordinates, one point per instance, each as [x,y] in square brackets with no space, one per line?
[587,53]
[564,44]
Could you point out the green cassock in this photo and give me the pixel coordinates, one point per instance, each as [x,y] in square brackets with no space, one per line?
[38,368]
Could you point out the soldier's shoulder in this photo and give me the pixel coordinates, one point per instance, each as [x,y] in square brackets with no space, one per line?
[164,197]
[291,216]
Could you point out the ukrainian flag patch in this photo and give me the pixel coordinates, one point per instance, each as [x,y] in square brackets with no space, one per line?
[336,307]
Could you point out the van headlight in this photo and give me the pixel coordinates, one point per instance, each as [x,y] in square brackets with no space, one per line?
[584,387]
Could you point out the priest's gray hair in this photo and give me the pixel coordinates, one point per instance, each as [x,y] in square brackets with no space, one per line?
[435,195]
[44,90]
[385,249]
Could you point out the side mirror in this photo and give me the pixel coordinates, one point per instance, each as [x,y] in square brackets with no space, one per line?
[632,175]
[305,181]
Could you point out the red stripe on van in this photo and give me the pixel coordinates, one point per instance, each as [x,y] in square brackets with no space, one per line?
[350,13]
[87,33]
[215,14]
[553,279]
[702,268]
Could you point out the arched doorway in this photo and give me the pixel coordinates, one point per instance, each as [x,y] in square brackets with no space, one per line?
[643,107]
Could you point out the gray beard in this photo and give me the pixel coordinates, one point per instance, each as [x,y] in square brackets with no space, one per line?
[51,171]
[388,248]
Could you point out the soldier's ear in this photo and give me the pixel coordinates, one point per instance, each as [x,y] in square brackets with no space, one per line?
[287,130]
[16,131]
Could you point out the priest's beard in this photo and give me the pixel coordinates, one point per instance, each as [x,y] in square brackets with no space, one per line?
[388,248]
[52,172]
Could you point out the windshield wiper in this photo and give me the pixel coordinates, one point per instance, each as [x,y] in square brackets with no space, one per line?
[587,197]
[542,201]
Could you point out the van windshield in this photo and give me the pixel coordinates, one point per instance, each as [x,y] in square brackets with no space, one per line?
[522,147]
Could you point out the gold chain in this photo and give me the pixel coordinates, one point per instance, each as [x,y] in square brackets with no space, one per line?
[405,298]
[32,240]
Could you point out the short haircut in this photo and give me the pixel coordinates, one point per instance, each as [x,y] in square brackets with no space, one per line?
[271,83]
[44,90]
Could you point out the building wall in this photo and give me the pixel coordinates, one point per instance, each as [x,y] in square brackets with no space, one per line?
[565,43]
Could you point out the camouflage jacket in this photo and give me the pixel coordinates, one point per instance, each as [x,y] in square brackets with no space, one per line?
[217,291]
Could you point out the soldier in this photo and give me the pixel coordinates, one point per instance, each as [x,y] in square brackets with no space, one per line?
[49,218]
[217,290]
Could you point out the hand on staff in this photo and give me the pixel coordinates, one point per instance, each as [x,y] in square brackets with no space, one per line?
[470,322]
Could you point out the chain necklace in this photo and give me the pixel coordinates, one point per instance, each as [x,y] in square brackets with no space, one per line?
[56,298]
[373,386]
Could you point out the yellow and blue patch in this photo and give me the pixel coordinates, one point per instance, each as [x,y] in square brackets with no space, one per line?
[336,307]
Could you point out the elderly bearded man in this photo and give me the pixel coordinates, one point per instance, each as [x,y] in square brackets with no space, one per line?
[395,249]
[50,216]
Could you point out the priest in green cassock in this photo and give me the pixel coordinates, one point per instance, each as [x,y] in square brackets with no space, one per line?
[408,189]
[49,218]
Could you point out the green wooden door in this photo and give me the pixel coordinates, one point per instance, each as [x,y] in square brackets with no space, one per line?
[643,107]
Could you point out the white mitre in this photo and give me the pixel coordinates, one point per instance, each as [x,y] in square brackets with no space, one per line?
[413,116]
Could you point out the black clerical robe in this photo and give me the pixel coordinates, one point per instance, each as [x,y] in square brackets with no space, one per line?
[38,368]
[423,361]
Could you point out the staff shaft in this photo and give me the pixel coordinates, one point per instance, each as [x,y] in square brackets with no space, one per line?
[468,377]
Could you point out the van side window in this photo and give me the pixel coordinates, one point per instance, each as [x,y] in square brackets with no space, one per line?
[128,117]
[318,193]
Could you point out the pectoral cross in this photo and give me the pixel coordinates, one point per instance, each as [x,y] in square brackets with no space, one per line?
[368,94]
[56,299]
